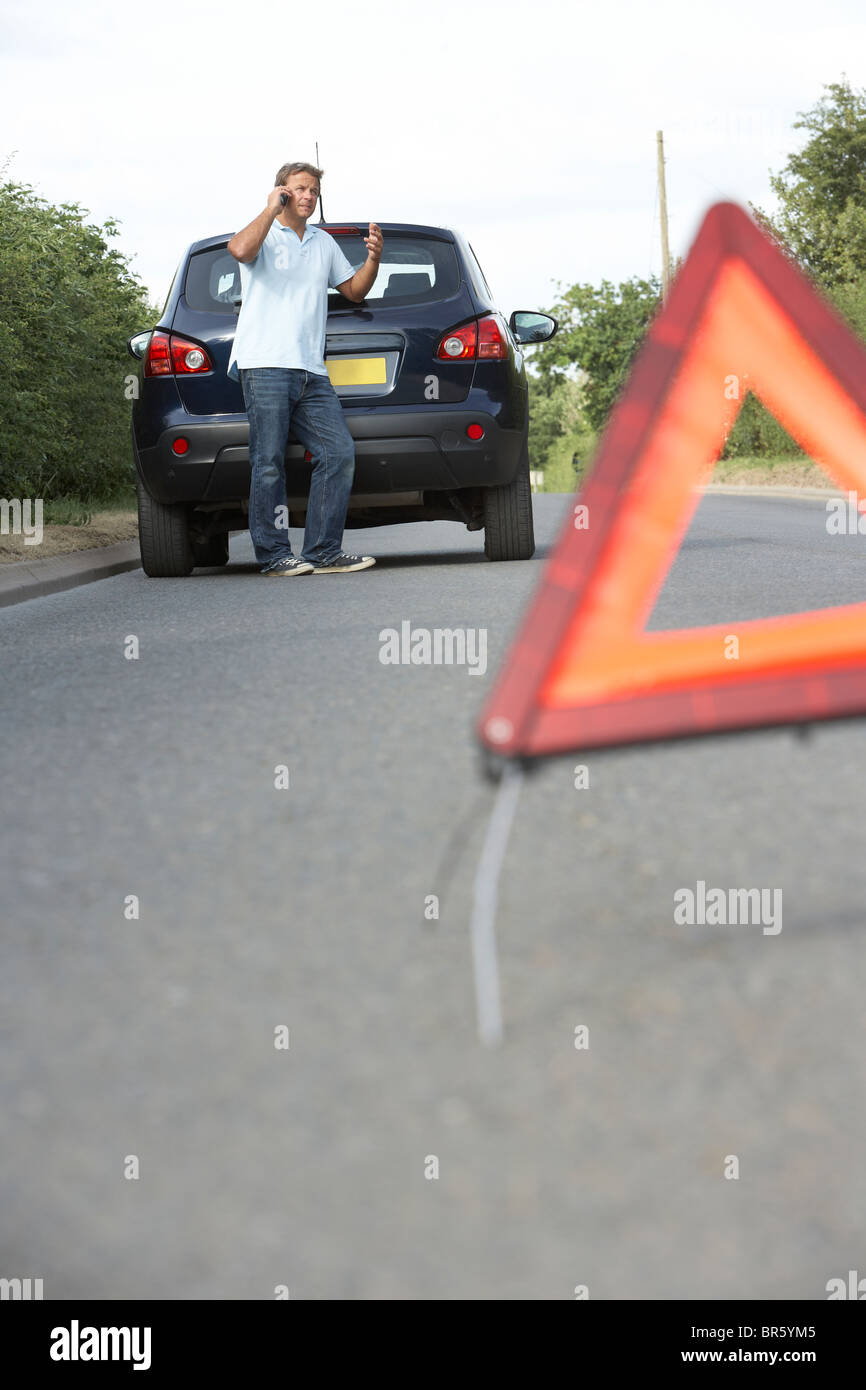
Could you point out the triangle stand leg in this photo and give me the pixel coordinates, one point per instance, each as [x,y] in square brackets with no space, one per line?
[486,895]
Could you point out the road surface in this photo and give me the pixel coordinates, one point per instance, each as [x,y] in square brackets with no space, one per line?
[148,1044]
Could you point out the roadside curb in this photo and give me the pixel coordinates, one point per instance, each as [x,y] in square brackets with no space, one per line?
[26,579]
[747,490]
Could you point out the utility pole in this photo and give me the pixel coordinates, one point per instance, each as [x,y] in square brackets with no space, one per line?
[663,215]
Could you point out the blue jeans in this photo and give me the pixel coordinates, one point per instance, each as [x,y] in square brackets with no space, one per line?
[276,399]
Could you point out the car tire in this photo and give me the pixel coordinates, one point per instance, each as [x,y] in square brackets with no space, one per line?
[508,529]
[163,537]
[212,551]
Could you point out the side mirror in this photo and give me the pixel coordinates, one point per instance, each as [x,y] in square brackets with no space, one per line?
[529,327]
[137,344]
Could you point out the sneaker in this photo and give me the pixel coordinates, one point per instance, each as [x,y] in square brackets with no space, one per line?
[290,564]
[344,564]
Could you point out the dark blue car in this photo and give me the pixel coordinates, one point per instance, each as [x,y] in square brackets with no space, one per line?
[430,375]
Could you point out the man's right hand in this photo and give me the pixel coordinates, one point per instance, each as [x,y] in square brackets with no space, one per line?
[245,245]
[274,205]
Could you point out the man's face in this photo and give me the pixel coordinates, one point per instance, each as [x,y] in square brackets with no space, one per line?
[305,194]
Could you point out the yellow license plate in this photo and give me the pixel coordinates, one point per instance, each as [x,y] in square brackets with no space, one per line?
[357,371]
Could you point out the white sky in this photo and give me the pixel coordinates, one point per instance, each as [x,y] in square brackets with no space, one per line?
[530,126]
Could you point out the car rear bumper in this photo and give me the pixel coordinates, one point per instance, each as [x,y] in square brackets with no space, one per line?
[395,452]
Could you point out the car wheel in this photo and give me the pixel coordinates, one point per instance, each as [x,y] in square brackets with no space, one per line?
[212,550]
[508,528]
[163,537]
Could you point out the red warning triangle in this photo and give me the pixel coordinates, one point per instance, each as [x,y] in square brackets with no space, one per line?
[582,671]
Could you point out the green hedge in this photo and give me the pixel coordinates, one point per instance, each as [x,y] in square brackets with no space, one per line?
[68,303]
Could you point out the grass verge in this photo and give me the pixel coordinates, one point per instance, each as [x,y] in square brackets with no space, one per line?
[561,476]
[69,524]
[764,472]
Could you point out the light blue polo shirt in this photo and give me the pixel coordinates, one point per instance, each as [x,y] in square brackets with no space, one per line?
[284,309]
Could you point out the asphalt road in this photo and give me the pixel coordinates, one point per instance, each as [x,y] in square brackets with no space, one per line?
[305,908]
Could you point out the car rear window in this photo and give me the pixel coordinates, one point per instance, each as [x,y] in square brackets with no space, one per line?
[213,281]
[413,270]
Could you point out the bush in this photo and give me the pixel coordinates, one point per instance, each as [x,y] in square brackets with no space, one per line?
[560,438]
[67,306]
[757,433]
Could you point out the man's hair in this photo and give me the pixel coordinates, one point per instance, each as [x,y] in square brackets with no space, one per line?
[298,167]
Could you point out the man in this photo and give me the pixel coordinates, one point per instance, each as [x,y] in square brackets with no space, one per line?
[279,357]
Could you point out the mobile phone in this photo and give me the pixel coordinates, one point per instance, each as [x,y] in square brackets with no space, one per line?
[284,198]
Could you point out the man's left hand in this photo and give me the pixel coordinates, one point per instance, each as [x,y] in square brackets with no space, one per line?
[374,242]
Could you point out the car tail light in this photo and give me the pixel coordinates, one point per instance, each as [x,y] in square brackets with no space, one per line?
[459,343]
[158,359]
[475,431]
[491,338]
[169,355]
[342,231]
[180,445]
[484,337]
[188,357]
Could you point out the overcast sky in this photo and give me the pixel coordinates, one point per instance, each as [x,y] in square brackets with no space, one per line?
[530,126]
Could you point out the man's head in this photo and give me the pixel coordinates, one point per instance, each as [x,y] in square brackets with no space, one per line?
[304,180]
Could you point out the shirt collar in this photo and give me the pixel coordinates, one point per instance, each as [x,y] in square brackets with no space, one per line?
[309,232]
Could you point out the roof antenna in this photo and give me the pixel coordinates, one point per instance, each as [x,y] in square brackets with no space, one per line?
[321,205]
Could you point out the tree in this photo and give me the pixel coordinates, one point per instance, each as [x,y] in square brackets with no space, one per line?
[68,303]
[560,439]
[552,414]
[821,221]
[821,224]
[601,329]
